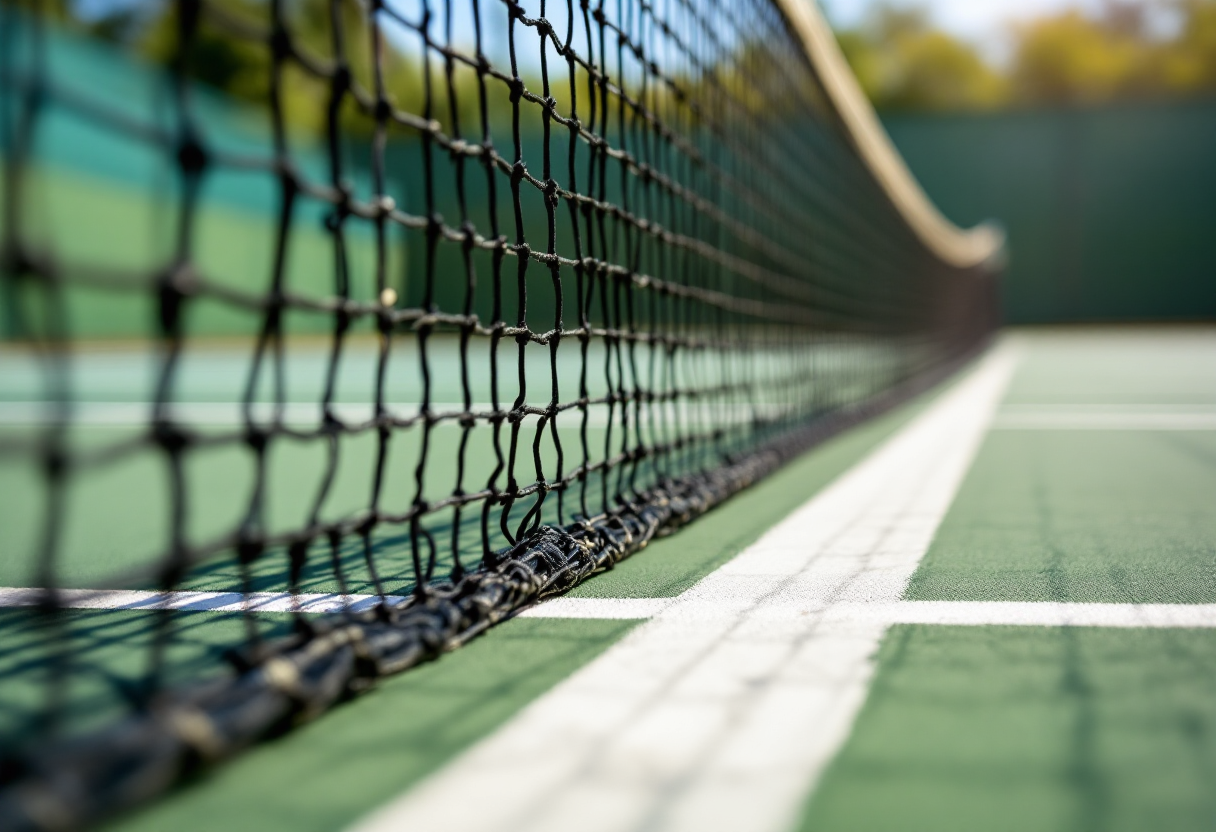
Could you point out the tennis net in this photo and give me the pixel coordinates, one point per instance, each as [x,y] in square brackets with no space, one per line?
[504,290]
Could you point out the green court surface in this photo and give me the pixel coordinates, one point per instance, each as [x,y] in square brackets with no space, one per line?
[1011,728]
[1093,484]
[1085,516]
[329,773]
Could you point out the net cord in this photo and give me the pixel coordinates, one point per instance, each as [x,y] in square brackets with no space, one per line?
[983,245]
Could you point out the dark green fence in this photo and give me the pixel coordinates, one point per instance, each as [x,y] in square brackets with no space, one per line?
[1111,213]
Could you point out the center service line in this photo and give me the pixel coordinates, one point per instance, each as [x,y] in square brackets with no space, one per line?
[721,711]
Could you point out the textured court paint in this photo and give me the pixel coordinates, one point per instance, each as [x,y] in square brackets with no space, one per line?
[1070,730]
[323,775]
[1098,516]
[1075,516]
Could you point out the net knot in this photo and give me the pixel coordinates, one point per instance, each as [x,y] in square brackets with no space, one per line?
[365,525]
[517,88]
[54,461]
[250,546]
[340,80]
[280,41]
[289,178]
[191,156]
[330,423]
[16,262]
[171,438]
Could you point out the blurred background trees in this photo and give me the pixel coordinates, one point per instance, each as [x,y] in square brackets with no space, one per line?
[1117,51]
[1125,50]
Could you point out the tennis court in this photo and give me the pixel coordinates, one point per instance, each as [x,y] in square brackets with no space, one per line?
[529,416]
[1048,665]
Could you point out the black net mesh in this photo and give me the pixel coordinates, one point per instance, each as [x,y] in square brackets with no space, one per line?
[537,282]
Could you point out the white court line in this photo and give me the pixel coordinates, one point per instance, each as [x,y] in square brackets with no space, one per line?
[228,414]
[1038,614]
[951,613]
[716,714]
[1113,419]
[105,599]
[1020,408]
[607,608]
[310,603]
[122,414]
[947,613]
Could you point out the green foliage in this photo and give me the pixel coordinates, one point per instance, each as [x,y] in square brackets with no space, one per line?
[1073,58]
[904,63]
[230,51]
[1190,64]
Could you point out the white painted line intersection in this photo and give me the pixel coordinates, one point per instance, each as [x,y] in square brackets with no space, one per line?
[721,709]
[717,713]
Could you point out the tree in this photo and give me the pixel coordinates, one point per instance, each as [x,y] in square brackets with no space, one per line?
[1068,58]
[903,63]
[1072,58]
[1188,66]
